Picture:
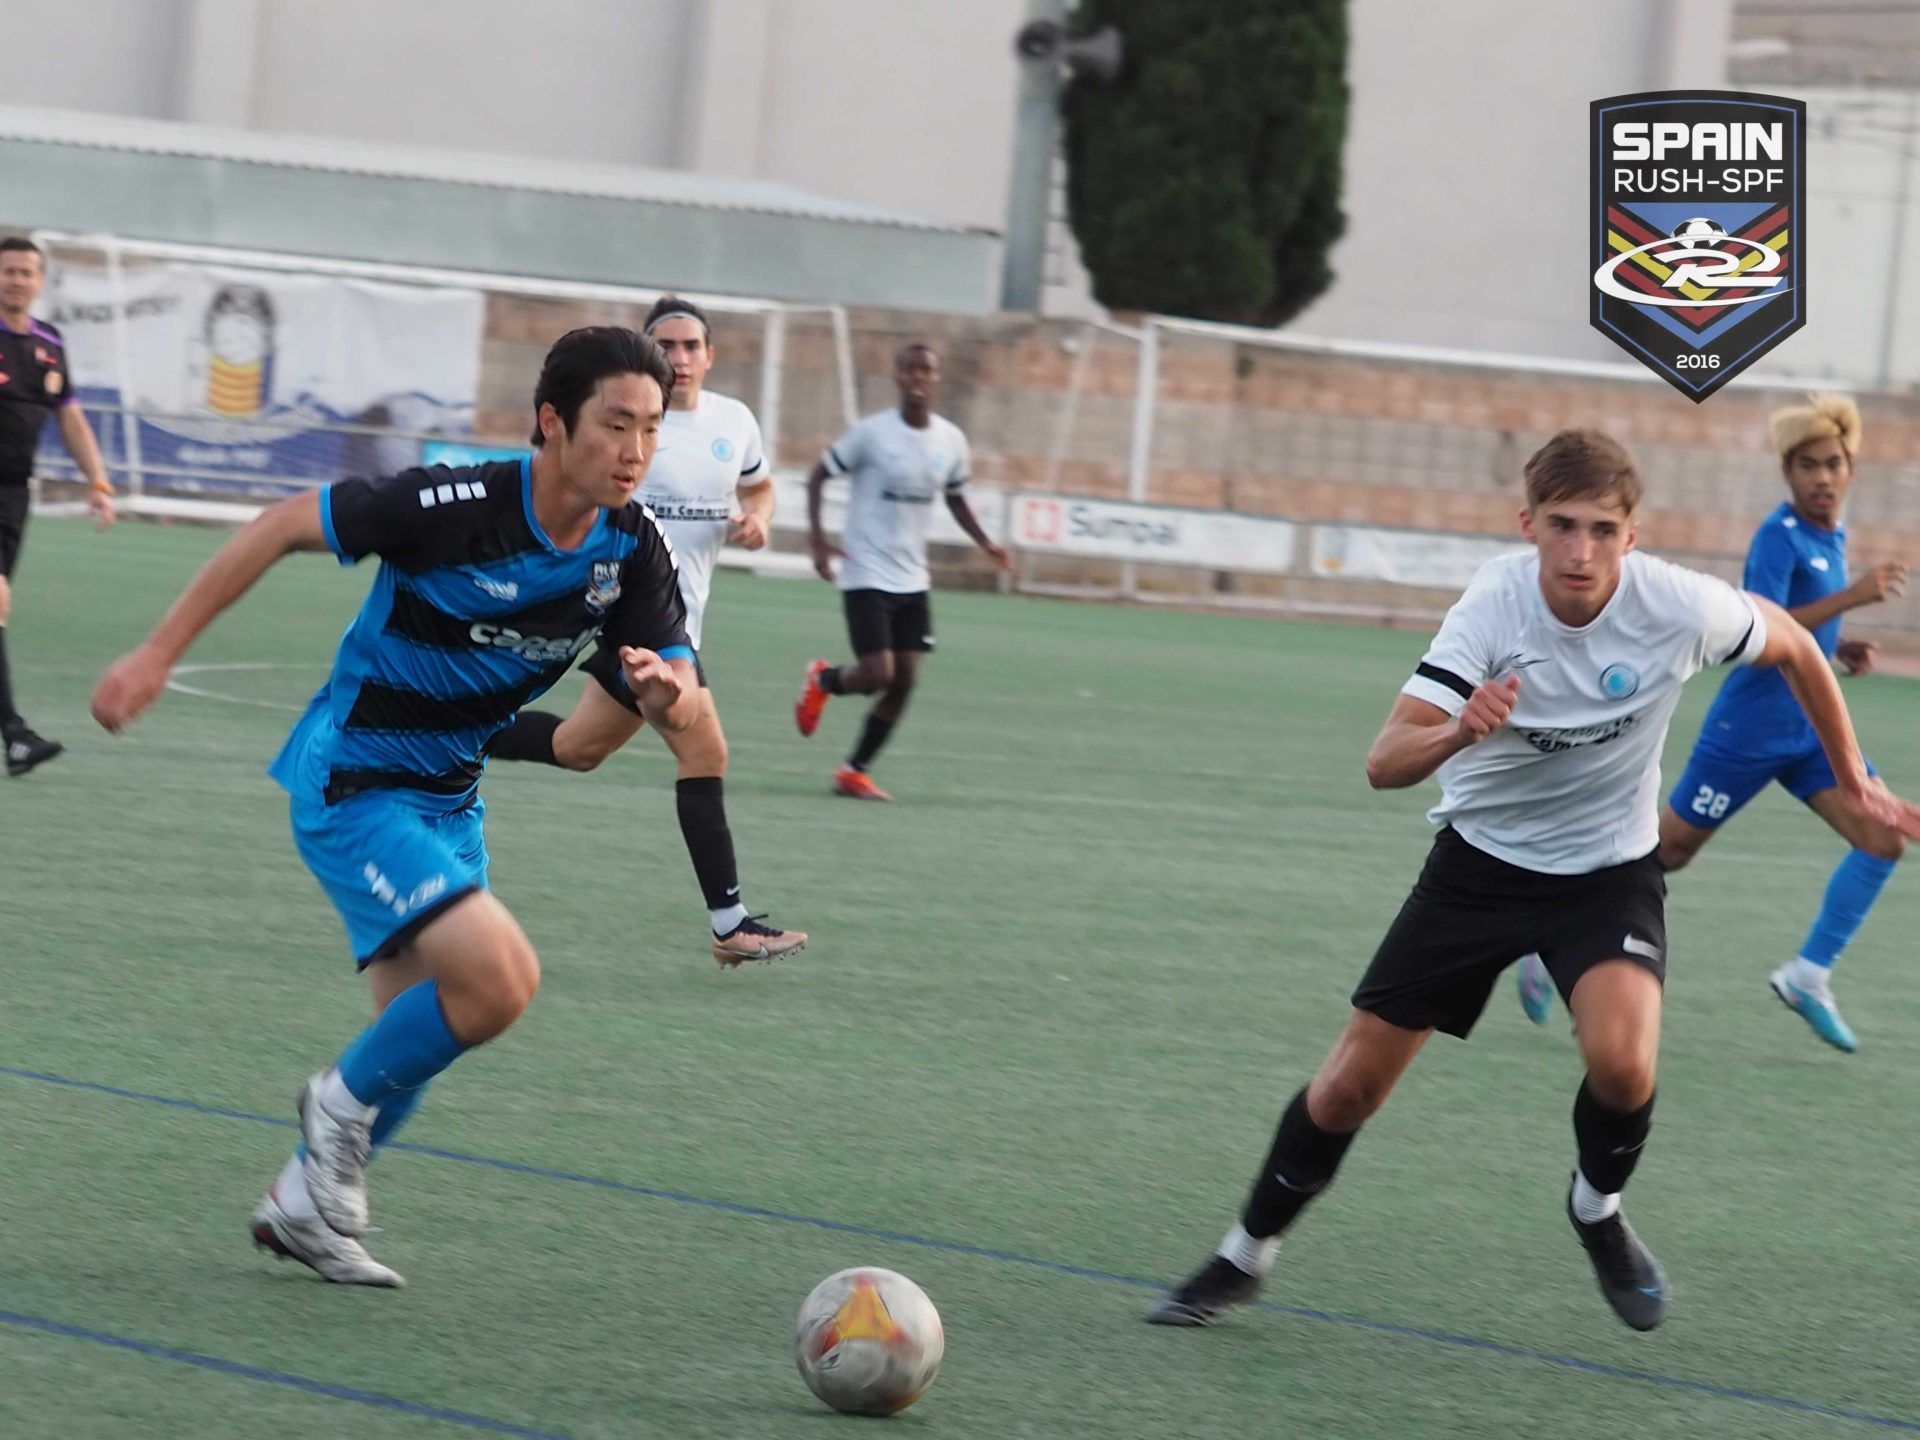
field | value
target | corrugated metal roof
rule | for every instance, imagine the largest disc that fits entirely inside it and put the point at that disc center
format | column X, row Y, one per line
column 510, row 172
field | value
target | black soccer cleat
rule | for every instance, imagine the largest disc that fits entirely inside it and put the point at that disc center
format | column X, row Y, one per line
column 26, row 750
column 1198, row 1300
column 1629, row 1276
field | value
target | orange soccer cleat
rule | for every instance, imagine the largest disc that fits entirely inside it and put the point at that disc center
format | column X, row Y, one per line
column 813, row 700
column 857, row 784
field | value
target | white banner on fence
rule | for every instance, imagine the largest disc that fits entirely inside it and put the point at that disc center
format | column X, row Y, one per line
column 1152, row 534
column 790, row 510
column 212, row 352
column 1403, row 557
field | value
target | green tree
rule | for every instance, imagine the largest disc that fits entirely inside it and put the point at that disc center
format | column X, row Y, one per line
column 1205, row 181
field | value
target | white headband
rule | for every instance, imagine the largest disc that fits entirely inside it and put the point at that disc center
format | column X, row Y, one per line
column 659, row 320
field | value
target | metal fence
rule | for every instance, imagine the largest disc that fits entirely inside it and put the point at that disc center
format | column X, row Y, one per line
column 1161, row 413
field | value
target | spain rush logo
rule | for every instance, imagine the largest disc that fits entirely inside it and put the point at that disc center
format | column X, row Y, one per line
column 1699, row 215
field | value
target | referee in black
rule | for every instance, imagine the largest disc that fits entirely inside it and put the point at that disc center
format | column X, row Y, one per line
column 33, row 382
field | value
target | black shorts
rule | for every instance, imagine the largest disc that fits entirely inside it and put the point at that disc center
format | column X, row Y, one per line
column 13, row 524
column 1471, row 915
column 880, row 620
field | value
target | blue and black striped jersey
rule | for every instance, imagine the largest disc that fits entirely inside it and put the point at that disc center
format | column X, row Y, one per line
column 474, row 613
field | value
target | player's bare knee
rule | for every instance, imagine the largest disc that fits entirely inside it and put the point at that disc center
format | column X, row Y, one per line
column 874, row 672
column 492, row 990
column 580, row 757
column 1621, row 1082
column 1343, row 1098
column 507, row 994
column 705, row 756
column 1890, row 846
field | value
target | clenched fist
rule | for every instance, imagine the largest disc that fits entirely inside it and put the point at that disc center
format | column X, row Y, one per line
column 1487, row 709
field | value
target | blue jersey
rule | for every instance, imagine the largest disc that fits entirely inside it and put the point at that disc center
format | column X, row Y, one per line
column 1792, row 564
column 474, row 612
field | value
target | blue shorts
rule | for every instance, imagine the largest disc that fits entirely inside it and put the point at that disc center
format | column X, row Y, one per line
column 1717, row 783
column 391, row 861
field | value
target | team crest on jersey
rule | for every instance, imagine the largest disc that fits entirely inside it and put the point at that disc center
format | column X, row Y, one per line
column 603, row 585
column 1619, row 680
column 722, row 449
column 1698, row 240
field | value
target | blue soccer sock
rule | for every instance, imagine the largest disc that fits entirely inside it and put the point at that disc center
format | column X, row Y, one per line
column 395, row 1111
column 1850, row 894
column 402, row 1050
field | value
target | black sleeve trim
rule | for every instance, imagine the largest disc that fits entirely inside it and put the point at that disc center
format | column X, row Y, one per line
column 1739, row 649
column 1447, row 678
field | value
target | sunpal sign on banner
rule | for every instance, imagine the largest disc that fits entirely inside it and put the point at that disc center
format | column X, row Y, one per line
column 1152, row 534
column 1697, row 258
column 234, row 373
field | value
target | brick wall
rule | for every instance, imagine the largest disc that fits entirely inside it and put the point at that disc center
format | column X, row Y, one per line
column 1279, row 432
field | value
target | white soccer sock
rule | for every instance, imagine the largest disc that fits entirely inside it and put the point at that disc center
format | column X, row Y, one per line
column 291, row 1190
column 726, row 921
column 1589, row 1205
column 1251, row 1255
column 340, row 1103
column 1816, row 980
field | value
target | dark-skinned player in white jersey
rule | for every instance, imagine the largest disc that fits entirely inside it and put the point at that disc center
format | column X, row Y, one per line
column 1542, row 705
column 896, row 462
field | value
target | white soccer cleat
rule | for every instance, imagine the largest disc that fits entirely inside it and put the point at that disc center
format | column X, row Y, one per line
column 336, row 1162
column 319, row 1247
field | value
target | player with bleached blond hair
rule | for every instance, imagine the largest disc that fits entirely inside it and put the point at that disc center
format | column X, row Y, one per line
column 1756, row 731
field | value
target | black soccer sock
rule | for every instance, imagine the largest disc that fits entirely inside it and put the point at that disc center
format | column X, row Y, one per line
column 9, row 717
column 703, row 823
column 1299, row 1166
column 829, row 681
column 529, row 737
column 871, row 739
column 1610, row 1140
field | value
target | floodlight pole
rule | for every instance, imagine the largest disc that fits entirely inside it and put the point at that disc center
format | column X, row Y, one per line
column 1029, row 197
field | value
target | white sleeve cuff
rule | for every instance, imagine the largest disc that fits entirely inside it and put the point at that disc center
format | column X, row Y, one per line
column 1434, row 693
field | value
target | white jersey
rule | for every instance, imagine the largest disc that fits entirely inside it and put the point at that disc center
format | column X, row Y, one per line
column 1571, row 784
column 898, row 472
column 703, row 457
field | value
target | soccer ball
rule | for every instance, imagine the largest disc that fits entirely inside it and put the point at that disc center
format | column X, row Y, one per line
column 1699, row 231
column 868, row 1341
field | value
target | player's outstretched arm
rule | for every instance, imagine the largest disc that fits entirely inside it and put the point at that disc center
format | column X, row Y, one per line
column 135, row 680
column 1419, row 737
column 963, row 515
column 1792, row 648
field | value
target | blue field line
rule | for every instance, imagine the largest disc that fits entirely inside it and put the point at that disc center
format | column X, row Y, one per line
column 275, row 1377
column 1033, row 1262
